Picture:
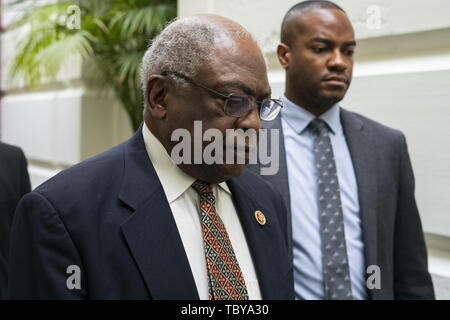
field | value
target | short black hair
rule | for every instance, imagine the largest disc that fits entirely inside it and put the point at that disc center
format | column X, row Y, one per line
column 301, row 8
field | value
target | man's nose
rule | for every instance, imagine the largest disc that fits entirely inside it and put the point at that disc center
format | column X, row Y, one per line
column 251, row 120
column 337, row 61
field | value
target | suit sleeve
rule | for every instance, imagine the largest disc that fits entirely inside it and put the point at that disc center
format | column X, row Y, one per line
column 411, row 278
column 41, row 253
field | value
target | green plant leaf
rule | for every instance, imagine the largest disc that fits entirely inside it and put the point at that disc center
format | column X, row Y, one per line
column 113, row 38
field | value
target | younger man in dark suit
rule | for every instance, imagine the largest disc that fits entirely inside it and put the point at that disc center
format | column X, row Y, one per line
column 354, row 227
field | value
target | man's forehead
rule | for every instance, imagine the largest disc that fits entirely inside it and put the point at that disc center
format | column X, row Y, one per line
column 323, row 22
column 240, row 81
column 239, row 66
column 245, row 83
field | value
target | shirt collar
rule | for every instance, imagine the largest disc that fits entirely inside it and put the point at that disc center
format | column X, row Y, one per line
column 174, row 180
column 299, row 118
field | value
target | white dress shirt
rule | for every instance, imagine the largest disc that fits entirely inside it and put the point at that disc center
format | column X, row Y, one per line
column 184, row 202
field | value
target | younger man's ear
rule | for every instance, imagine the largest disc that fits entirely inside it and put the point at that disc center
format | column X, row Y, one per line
column 284, row 55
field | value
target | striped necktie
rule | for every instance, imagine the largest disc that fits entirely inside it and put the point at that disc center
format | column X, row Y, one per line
column 225, row 278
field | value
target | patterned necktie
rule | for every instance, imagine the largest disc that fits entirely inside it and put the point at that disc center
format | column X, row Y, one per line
column 226, row 281
column 337, row 285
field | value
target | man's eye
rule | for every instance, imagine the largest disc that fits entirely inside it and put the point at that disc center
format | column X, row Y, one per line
column 318, row 49
column 350, row 52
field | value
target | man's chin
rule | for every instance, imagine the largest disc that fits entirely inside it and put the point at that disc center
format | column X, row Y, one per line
column 228, row 171
column 333, row 96
column 329, row 99
column 215, row 173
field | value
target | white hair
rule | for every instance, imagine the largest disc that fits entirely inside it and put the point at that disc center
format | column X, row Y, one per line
column 183, row 46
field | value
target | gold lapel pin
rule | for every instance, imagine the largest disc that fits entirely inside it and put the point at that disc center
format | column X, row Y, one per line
column 260, row 217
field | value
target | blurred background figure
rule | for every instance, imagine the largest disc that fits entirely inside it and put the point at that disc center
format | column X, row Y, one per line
column 14, row 183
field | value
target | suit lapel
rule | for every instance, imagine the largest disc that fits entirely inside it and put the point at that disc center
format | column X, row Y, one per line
column 260, row 240
column 364, row 162
column 151, row 232
column 280, row 180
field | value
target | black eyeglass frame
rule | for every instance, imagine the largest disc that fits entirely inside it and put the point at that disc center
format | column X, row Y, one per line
column 218, row 94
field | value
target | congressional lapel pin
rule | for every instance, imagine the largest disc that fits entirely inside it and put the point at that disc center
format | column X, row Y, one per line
column 260, row 217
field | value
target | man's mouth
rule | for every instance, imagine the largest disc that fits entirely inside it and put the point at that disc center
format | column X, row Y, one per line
column 337, row 80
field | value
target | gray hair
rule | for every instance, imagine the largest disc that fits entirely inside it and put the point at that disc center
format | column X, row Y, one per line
column 183, row 46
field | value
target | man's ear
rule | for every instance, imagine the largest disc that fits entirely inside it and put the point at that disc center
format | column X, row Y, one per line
column 157, row 96
column 284, row 55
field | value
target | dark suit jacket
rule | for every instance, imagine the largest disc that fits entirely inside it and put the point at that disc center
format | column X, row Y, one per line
column 14, row 183
column 109, row 216
column 392, row 231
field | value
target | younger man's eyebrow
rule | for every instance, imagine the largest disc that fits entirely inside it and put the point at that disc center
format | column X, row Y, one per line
column 350, row 43
column 319, row 39
column 328, row 41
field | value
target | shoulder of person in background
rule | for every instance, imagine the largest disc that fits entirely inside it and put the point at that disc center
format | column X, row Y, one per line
column 13, row 169
column 14, row 183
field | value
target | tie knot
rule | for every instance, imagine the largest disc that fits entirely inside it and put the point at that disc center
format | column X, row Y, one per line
column 202, row 187
column 318, row 125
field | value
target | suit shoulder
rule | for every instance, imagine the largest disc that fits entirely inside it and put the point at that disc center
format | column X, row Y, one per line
column 377, row 128
column 10, row 153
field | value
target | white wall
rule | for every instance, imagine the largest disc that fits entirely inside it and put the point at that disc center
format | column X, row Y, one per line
column 60, row 127
column 59, row 123
column 401, row 78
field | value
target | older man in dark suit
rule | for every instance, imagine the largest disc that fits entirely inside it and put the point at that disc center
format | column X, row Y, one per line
column 354, row 227
column 130, row 223
column 14, row 183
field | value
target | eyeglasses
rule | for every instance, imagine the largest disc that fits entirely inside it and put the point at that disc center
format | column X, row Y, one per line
column 238, row 105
